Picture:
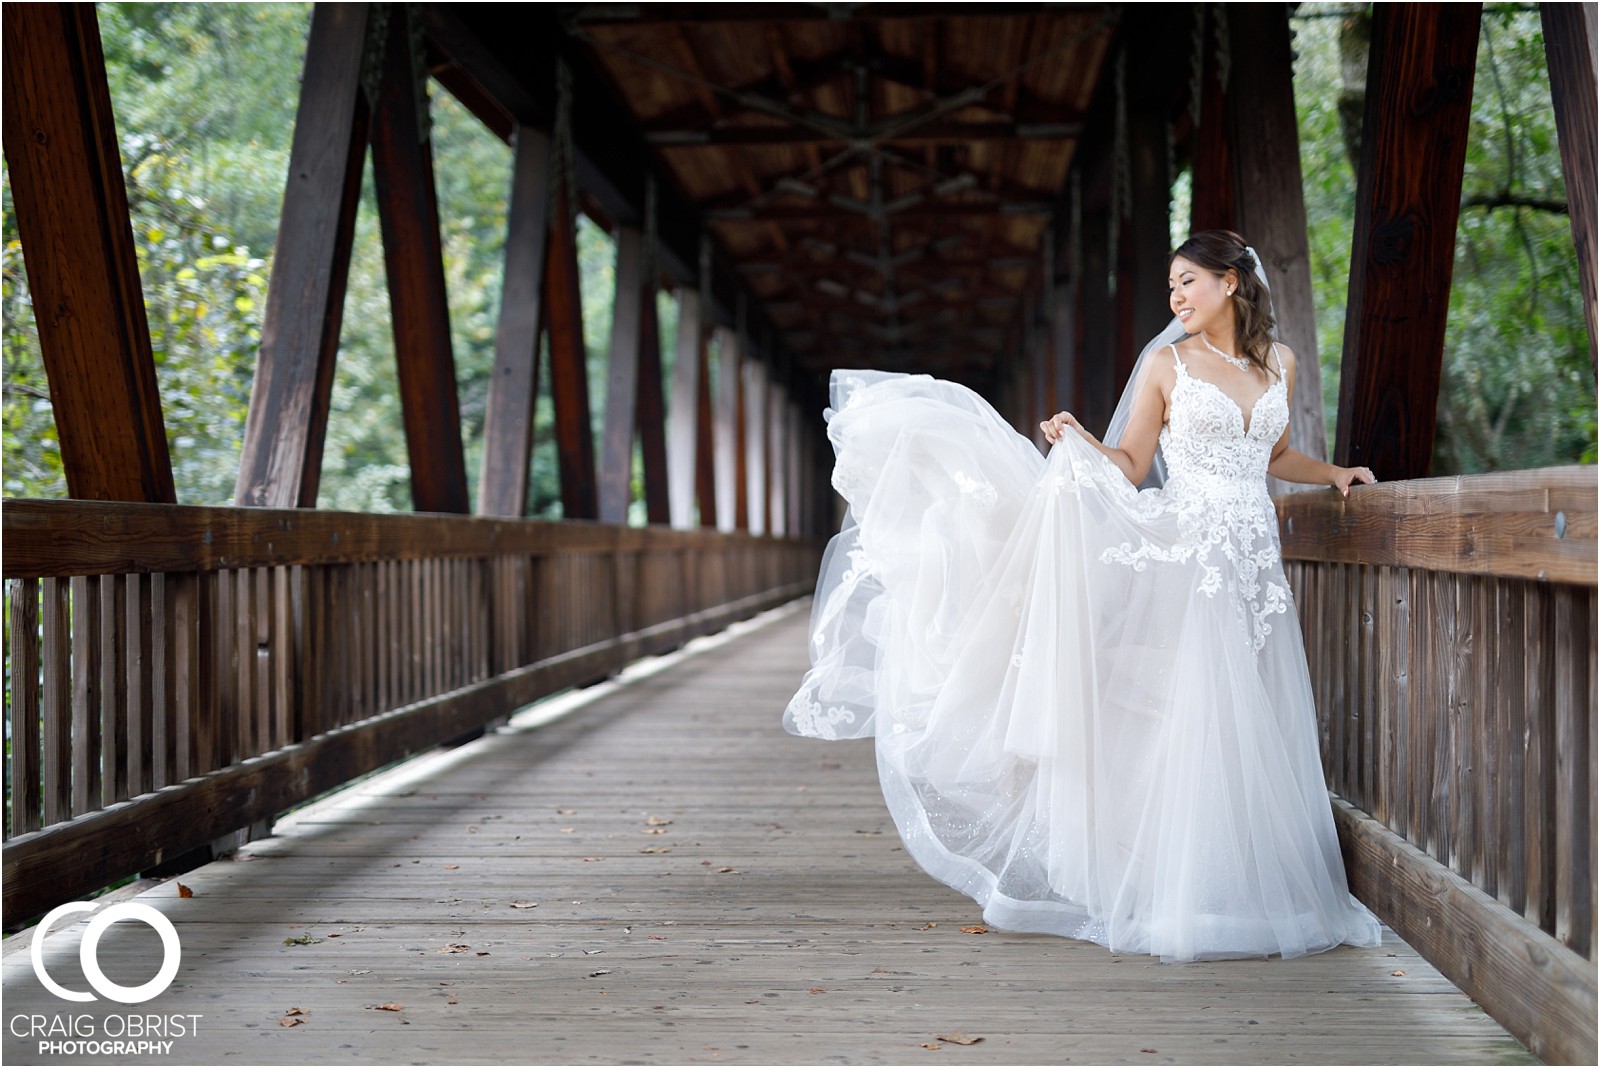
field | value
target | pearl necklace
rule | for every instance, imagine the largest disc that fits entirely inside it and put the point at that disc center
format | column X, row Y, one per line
column 1239, row 362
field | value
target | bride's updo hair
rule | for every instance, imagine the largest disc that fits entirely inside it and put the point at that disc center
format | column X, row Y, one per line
column 1217, row 251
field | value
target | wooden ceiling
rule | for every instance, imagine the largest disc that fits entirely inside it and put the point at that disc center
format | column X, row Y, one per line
column 882, row 178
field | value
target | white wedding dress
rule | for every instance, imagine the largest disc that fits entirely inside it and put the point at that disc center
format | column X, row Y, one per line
column 1090, row 703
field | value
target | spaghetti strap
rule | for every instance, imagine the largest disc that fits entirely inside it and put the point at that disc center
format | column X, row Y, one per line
column 1175, row 357
column 1279, row 357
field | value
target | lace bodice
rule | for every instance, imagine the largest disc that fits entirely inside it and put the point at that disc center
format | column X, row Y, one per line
column 1208, row 442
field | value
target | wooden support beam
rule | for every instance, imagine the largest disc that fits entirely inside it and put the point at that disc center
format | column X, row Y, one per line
column 1146, row 235
column 729, row 440
column 753, row 422
column 1063, row 347
column 1270, row 202
column 1408, row 194
column 419, row 308
column 1211, row 203
column 780, row 445
column 72, row 215
column 622, row 379
column 569, row 376
column 1096, row 328
column 683, row 412
column 281, row 461
column 1569, row 47
column 706, row 479
column 514, row 383
column 652, row 410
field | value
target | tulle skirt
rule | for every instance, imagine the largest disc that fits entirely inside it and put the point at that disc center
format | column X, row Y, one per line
column 1087, row 745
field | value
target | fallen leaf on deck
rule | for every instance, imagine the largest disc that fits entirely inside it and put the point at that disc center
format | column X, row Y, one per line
column 976, row 928
column 960, row 1039
column 930, row 925
column 656, row 849
column 303, row 940
column 818, row 990
column 290, row 1021
column 1397, row 973
column 657, row 938
column 1149, row 1051
column 753, row 1001
column 452, row 867
column 453, row 947
column 880, row 971
column 388, row 1006
column 524, row 904
column 184, row 891
column 295, row 1012
column 727, row 871
column 653, row 830
column 657, row 821
column 566, row 812
column 598, row 974
column 483, row 952
column 931, row 1045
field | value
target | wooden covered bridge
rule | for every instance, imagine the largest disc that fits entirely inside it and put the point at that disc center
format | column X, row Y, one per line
column 649, row 869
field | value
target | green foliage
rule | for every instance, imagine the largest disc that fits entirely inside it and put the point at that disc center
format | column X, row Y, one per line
column 1518, row 385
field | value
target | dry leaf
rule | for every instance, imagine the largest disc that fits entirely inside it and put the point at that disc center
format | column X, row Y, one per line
column 818, row 990
column 598, row 974
column 483, row 953
column 880, row 971
column 295, row 1012
column 656, row 849
column 652, row 830
column 452, row 867
column 1149, row 1051
column 727, row 871
column 976, row 928
column 388, row 1006
column 657, row 938
column 931, row 1045
column 657, row 821
column 290, row 1021
column 453, row 947
column 184, row 891
column 524, row 904
column 930, row 925
column 1397, row 973
column 960, row 1039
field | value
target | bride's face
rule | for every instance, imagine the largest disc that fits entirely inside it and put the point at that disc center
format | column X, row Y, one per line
column 1198, row 297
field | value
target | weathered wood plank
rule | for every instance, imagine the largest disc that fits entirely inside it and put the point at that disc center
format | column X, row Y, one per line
column 71, row 210
column 23, row 760
column 1532, row 984
column 64, row 538
column 419, row 308
column 569, row 376
column 281, row 461
column 622, row 378
column 1408, row 197
column 1527, row 524
column 514, row 382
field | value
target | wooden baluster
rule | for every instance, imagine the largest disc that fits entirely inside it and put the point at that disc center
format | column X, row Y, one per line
column 24, row 762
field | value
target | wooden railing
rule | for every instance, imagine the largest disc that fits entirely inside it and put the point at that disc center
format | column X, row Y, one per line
column 174, row 674
column 1450, row 628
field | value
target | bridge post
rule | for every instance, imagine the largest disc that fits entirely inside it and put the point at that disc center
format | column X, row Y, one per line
column 72, row 213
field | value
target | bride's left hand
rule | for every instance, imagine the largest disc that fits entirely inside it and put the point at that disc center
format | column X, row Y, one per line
column 1345, row 476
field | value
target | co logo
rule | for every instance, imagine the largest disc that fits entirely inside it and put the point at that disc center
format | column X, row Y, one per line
column 89, row 951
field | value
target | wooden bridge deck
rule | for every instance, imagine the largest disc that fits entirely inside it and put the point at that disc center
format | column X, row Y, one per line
column 664, row 876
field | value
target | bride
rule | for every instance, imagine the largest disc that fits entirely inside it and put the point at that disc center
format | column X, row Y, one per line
column 1090, row 702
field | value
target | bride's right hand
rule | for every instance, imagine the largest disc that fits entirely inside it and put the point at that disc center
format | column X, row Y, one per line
column 1056, row 425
